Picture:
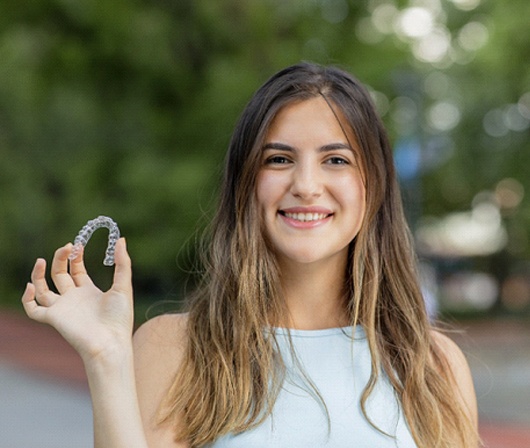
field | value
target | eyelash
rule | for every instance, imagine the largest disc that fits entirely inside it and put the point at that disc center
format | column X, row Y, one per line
column 282, row 160
column 277, row 159
column 338, row 161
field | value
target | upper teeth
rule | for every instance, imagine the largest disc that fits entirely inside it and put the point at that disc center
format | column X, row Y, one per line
column 306, row 216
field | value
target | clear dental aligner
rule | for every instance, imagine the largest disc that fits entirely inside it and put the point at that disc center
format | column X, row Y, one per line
column 86, row 232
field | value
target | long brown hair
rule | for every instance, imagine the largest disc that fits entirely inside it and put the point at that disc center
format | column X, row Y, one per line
column 232, row 373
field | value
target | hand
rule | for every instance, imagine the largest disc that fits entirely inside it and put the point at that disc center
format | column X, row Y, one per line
column 94, row 322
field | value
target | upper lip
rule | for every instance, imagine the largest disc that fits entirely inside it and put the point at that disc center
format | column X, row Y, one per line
column 310, row 209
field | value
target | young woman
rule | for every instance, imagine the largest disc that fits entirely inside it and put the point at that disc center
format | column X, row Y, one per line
column 309, row 328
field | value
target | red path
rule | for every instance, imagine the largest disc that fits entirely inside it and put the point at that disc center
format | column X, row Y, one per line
column 40, row 349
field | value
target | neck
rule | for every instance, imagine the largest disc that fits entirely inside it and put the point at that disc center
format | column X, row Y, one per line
column 314, row 294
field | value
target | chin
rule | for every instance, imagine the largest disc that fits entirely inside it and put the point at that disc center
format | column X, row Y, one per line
column 303, row 258
column 307, row 255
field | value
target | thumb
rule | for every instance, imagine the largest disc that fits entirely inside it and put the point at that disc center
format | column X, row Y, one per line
column 123, row 272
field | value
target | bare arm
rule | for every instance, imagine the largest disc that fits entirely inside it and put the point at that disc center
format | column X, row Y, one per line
column 99, row 326
column 117, row 421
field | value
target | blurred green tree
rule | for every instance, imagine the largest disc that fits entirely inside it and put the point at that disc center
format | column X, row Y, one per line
column 126, row 108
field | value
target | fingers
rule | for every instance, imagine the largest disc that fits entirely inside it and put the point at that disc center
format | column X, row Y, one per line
column 37, row 296
column 122, row 273
column 41, row 292
column 59, row 270
column 38, row 276
column 28, row 300
column 32, row 308
column 78, row 270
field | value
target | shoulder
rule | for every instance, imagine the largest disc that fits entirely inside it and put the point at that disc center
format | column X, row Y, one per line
column 162, row 332
column 159, row 347
column 451, row 352
column 457, row 362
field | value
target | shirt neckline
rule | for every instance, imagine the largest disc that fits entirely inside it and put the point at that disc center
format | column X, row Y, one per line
column 320, row 333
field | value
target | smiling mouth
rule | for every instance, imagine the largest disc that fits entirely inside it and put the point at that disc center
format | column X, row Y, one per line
column 305, row 217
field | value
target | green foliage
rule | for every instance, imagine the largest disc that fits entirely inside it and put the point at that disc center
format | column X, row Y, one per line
column 126, row 108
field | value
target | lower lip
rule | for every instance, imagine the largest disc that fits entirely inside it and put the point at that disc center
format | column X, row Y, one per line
column 304, row 224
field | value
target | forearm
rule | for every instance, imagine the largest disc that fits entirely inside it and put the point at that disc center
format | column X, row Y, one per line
column 99, row 326
column 117, row 421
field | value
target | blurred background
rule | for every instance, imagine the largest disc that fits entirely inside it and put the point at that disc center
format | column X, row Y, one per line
column 125, row 109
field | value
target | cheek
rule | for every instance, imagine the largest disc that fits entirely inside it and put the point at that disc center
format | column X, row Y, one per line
column 266, row 190
column 355, row 195
column 261, row 190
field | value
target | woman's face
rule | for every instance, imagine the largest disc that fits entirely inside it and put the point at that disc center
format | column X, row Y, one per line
column 310, row 187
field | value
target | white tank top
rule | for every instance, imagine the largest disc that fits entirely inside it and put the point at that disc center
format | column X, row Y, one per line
column 339, row 370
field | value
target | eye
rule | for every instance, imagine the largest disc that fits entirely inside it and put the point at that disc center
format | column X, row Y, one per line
column 337, row 161
column 277, row 160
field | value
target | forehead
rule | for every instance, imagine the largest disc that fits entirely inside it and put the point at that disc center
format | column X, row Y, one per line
column 311, row 119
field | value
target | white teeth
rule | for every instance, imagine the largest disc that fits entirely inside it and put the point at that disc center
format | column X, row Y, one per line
column 305, row 217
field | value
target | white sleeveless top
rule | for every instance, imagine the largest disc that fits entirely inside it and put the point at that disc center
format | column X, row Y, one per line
column 339, row 370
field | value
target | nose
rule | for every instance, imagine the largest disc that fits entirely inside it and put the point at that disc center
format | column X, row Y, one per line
column 307, row 181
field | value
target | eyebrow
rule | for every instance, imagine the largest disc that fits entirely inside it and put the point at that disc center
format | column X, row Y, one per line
column 325, row 148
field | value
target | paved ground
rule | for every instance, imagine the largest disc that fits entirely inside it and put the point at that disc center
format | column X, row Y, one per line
column 44, row 400
column 37, row 412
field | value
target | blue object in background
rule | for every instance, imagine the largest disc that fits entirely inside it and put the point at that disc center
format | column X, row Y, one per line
column 407, row 157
